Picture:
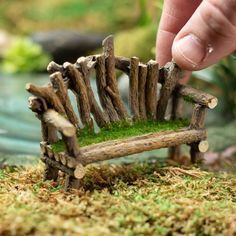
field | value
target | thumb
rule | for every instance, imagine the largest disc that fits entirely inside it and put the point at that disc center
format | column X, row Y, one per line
column 208, row 36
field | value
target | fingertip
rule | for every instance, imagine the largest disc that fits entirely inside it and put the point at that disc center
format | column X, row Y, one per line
column 189, row 52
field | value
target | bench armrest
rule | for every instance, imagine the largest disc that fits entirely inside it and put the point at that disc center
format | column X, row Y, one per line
column 196, row 96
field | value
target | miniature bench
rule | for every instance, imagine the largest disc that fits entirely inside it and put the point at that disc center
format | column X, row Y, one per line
column 53, row 108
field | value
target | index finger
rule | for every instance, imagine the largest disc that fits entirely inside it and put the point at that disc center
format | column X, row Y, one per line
column 174, row 16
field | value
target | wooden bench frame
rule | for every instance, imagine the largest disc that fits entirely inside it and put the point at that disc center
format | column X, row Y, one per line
column 52, row 106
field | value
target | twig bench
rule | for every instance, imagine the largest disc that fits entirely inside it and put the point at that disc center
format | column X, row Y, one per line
column 53, row 107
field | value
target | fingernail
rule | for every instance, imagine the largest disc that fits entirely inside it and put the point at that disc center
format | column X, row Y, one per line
column 192, row 49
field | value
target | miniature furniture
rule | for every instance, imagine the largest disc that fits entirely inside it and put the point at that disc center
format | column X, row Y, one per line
column 53, row 108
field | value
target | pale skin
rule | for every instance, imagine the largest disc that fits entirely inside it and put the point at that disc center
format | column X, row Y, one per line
column 196, row 33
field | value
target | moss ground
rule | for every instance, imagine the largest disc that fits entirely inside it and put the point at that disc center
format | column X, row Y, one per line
column 122, row 130
column 137, row 199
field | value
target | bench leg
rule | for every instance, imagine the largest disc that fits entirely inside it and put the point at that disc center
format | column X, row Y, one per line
column 50, row 173
column 71, row 182
column 196, row 155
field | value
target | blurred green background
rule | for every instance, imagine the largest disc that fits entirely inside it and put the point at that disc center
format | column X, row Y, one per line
column 30, row 36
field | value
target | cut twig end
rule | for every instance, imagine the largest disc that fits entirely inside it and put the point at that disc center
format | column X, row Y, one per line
column 213, row 103
column 79, row 172
column 203, row 146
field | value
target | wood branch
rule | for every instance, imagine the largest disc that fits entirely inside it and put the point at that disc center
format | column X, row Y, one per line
column 61, row 91
column 139, row 144
column 141, row 91
column 198, row 117
column 43, row 148
column 89, row 62
column 174, row 153
column 197, row 96
column 104, row 98
column 133, row 87
column 72, row 146
column 52, row 136
column 123, row 64
column 195, row 154
column 174, row 74
column 100, row 117
column 54, row 67
column 62, row 158
column 80, row 91
column 57, row 165
column 50, row 172
column 71, row 183
column 51, row 117
column 48, row 94
column 37, row 105
column 177, row 106
column 108, row 47
column 50, row 152
column 151, row 88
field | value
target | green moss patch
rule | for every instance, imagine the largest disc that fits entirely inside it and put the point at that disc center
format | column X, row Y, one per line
column 122, row 130
column 137, row 199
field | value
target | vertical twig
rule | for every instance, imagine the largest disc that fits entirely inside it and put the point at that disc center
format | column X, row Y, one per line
column 104, row 98
column 133, row 87
column 100, row 117
column 141, row 91
column 173, row 75
column 151, row 89
column 108, row 47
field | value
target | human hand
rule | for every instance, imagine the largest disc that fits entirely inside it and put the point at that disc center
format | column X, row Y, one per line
column 196, row 33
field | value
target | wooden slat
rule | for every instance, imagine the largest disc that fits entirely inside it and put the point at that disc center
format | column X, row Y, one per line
column 141, row 91
column 108, row 47
column 124, row 147
column 151, row 89
column 133, row 87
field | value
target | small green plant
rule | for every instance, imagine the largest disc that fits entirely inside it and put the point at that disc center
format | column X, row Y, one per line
column 24, row 56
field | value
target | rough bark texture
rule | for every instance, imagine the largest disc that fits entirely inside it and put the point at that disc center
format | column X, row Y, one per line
column 108, row 47
column 39, row 106
column 72, row 146
column 174, row 74
column 54, row 67
column 100, row 117
column 123, row 64
column 79, row 88
column 177, row 106
column 132, row 146
column 71, row 182
column 196, row 155
column 197, row 96
column 174, row 153
column 151, row 89
column 51, row 117
column 48, row 94
column 105, row 100
column 198, row 117
column 133, row 87
column 61, row 91
column 141, row 91
column 57, row 165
